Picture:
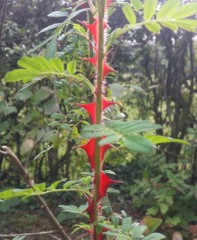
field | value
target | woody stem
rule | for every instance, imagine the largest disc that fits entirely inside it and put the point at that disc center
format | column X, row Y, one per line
column 100, row 56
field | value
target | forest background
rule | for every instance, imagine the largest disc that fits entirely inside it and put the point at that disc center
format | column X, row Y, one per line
column 157, row 81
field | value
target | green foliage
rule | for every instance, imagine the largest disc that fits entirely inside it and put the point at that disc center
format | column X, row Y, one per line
column 128, row 229
column 157, row 139
column 60, row 26
column 35, row 67
column 170, row 15
column 129, row 14
column 126, row 131
column 73, row 209
column 169, row 7
column 120, row 227
column 58, row 14
column 149, row 9
column 137, row 4
column 152, row 223
column 80, row 186
column 161, row 191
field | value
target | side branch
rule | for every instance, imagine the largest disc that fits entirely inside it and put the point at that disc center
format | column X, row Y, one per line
column 6, row 151
column 27, row 234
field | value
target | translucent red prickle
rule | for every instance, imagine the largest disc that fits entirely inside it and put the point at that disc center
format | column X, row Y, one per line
column 91, row 108
column 89, row 147
column 106, row 68
column 93, row 28
column 90, row 209
column 105, row 182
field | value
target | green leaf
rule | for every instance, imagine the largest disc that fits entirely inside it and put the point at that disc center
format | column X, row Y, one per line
column 137, row 144
column 79, row 28
column 20, row 74
column 158, row 139
column 169, row 24
column 86, row 180
column 129, row 14
column 116, row 130
column 55, row 184
column 90, row 131
column 137, row 230
column 168, row 8
column 119, row 236
column 65, row 126
column 109, row 140
column 153, row 27
column 51, row 48
column 71, row 209
column 10, row 109
column 115, row 220
column 39, row 187
column 12, row 193
column 76, row 13
column 137, row 4
column 35, row 67
column 132, row 126
column 57, row 64
column 110, row 172
column 163, row 207
column 30, row 63
column 58, row 14
column 72, row 15
column 58, row 116
column 173, row 220
column 126, row 224
column 149, row 9
column 82, row 208
column 41, row 44
column 153, row 210
column 152, row 223
column 55, row 25
column 41, row 94
column 154, row 236
column 70, row 183
column 23, row 95
column 19, row 238
column 187, row 24
column 46, row 66
column 71, row 67
column 113, row 191
column 116, row 34
column 185, row 11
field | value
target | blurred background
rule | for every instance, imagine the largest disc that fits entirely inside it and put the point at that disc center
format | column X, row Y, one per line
column 156, row 79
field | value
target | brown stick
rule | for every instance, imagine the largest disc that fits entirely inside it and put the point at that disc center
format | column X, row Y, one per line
column 30, row 182
column 26, row 234
column 2, row 16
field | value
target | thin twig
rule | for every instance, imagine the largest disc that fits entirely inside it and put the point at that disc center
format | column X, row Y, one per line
column 54, row 237
column 27, row 234
column 6, row 151
column 2, row 16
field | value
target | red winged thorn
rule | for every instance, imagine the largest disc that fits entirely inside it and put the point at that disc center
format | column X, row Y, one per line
column 89, row 147
column 90, row 209
column 105, row 182
column 91, row 108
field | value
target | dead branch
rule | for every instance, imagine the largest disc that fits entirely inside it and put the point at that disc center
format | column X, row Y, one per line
column 6, row 151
